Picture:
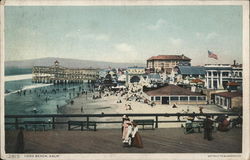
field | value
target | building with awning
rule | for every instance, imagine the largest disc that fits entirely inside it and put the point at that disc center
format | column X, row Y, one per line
column 172, row 94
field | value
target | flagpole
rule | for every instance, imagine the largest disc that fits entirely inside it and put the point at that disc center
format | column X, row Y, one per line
column 206, row 58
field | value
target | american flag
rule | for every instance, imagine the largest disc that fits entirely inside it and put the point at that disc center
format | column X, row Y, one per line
column 212, row 55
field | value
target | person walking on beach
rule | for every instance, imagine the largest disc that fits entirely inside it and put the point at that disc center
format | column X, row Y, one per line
column 200, row 109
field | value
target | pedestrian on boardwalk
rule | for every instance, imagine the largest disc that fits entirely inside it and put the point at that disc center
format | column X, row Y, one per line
column 224, row 124
column 124, row 117
column 20, row 142
column 208, row 128
column 136, row 138
column 127, row 132
column 125, row 125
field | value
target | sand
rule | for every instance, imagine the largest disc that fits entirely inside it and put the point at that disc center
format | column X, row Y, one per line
column 109, row 104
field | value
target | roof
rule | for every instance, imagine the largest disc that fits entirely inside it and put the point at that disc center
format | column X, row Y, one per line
column 197, row 81
column 154, row 76
column 230, row 94
column 171, row 90
column 218, row 68
column 170, row 57
column 136, row 68
column 191, row 70
column 232, row 84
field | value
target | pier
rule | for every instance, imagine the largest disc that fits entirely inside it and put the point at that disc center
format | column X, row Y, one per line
column 57, row 74
column 161, row 140
column 55, row 121
column 58, row 138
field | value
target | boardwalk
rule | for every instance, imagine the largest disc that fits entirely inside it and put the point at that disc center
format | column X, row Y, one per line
column 168, row 140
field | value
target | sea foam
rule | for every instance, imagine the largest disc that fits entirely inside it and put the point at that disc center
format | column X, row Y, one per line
column 17, row 77
column 30, row 87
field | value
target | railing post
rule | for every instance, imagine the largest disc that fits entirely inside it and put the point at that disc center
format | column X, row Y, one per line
column 156, row 121
column 53, row 123
column 16, row 123
column 87, row 122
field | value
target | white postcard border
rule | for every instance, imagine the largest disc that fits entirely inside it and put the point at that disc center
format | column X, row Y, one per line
column 147, row 156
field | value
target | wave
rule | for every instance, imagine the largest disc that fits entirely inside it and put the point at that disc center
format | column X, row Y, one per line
column 17, row 77
column 36, row 86
column 29, row 87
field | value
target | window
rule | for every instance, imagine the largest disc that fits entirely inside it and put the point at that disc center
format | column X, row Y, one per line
column 240, row 74
column 217, row 100
column 152, row 98
column 174, row 98
column 183, row 98
column 225, row 74
column 215, row 73
column 157, row 98
column 192, row 98
column 209, row 73
column 225, row 102
column 201, row 98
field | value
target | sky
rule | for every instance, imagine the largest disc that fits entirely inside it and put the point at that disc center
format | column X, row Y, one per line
column 124, row 33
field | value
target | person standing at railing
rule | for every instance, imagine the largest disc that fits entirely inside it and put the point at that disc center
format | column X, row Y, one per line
column 208, row 128
column 20, row 142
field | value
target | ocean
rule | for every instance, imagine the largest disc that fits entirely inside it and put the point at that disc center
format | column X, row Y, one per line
column 22, row 97
column 44, row 98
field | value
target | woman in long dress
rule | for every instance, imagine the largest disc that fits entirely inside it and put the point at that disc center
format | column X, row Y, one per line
column 136, row 137
column 125, row 125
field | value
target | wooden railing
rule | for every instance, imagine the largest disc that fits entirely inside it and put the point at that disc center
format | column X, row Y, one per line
column 25, row 119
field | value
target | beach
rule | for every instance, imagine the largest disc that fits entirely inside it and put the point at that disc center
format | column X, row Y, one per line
column 109, row 104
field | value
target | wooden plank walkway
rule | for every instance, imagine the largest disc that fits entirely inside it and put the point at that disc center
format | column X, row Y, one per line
column 164, row 140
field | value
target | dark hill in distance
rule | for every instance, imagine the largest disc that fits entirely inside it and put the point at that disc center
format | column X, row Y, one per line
column 70, row 63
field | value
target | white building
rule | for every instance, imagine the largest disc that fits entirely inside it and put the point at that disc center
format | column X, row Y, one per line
column 218, row 75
